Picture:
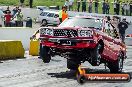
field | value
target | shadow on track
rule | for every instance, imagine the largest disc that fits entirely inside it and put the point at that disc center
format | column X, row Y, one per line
column 72, row 74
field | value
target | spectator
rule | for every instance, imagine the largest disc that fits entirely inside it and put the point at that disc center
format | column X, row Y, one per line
column 83, row 5
column 114, row 6
column 15, row 10
column 107, row 25
column 107, row 7
column 90, row 6
column 123, row 8
column 66, row 4
column 96, row 5
column 7, row 18
column 131, row 8
column 71, row 2
column 115, row 23
column 61, row 12
column 7, row 10
column 104, row 7
column 78, row 5
column 31, row 3
column 22, row 3
column 123, row 25
column 1, row 11
column 19, row 19
column 117, row 7
column 64, row 15
column 127, row 8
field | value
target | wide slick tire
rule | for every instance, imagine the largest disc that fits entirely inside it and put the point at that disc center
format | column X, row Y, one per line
column 96, row 55
column 45, row 54
column 117, row 66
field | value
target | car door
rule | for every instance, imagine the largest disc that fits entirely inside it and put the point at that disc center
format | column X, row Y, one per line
column 50, row 18
column 56, row 19
column 108, row 42
column 117, row 47
column 114, row 44
column 42, row 16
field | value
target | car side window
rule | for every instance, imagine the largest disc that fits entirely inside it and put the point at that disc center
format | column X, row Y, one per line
column 56, row 16
column 107, row 28
column 41, row 14
column 50, row 15
column 44, row 13
column 110, row 30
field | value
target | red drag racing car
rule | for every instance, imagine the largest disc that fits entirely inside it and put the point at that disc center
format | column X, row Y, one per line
column 81, row 39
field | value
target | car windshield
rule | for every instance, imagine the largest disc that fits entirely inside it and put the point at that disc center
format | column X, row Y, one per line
column 82, row 22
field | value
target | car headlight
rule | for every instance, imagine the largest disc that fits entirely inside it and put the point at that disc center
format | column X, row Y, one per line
column 46, row 31
column 85, row 33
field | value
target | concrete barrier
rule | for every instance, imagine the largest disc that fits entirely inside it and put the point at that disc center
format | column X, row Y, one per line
column 34, row 48
column 22, row 34
column 10, row 49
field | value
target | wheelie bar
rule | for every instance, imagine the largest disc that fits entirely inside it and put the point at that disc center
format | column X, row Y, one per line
column 83, row 75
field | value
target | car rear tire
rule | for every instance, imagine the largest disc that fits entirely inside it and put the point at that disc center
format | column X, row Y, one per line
column 96, row 55
column 117, row 66
column 72, row 64
column 44, row 22
column 45, row 54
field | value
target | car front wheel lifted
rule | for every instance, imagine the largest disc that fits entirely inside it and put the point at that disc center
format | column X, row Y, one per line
column 45, row 54
column 117, row 66
column 96, row 55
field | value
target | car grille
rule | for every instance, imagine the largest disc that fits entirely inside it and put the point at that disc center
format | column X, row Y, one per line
column 67, row 33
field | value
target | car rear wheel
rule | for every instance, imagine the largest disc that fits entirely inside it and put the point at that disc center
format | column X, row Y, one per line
column 45, row 54
column 96, row 55
column 117, row 66
column 44, row 22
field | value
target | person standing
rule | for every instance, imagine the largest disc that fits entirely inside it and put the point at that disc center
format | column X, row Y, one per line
column 123, row 25
column 114, row 6
column 123, row 7
column 31, row 3
column 78, row 5
column 127, row 8
column 22, row 3
column 104, row 7
column 71, row 2
column 96, row 6
column 7, row 18
column 83, row 5
column 19, row 19
column 61, row 12
column 15, row 10
column 131, row 8
column 64, row 15
column 66, row 4
column 7, row 10
column 90, row 6
column 107, row 7
column 117, row 7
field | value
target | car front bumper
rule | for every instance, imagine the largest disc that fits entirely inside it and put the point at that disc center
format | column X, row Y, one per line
column 69, row 43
